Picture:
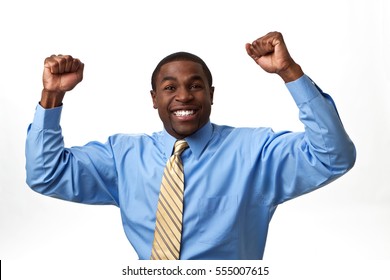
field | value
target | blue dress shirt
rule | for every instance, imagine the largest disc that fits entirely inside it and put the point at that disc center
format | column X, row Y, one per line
column 234, row 177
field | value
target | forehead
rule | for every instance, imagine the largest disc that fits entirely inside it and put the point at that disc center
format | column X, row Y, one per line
column 181, row 69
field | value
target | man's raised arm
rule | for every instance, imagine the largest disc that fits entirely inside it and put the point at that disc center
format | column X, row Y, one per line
column 84, row 174
column 324, row 151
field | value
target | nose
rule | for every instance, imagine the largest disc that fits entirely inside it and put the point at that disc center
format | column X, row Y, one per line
column 183, row 95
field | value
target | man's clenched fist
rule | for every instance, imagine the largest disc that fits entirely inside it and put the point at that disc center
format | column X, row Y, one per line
column 270, row 53
column 61, row 74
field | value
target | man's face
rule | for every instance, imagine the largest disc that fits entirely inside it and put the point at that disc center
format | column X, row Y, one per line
column 183, row 97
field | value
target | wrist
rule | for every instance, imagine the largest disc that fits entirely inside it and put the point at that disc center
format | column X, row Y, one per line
column 51, row 99
column 291, row 73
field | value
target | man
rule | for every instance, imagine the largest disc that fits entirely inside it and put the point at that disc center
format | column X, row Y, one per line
column 234, row 178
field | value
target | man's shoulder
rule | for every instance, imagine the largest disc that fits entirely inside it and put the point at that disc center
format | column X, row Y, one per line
column 226, row 129
column 135, row 137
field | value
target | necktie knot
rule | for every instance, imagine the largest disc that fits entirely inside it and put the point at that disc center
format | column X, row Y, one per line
column 180, row 146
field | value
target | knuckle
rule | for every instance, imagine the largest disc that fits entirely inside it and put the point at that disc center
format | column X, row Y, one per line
column 53, row 63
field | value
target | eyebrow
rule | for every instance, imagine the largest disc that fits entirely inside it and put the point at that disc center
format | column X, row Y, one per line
column 170, row 78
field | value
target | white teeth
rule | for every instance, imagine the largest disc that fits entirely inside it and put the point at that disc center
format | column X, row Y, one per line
column 182, row 113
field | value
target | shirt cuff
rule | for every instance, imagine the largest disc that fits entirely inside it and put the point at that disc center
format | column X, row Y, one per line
column 303, row 90
column 47, row 118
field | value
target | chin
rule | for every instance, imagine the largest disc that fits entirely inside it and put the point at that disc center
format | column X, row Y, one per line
column 185, row 132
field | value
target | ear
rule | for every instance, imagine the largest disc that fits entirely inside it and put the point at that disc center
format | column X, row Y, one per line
column 212, row 95
column 153, row 95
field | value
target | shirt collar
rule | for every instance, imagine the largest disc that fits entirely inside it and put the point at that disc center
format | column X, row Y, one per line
column 196, row 142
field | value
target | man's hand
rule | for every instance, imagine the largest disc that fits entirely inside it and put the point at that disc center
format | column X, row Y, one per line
column 61, row 74
column 270, row 52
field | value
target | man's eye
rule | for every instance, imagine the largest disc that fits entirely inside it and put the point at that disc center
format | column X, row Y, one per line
column 195, row 86
column 169, row 88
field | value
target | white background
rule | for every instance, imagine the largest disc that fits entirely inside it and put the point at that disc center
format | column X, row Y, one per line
column 343, row 45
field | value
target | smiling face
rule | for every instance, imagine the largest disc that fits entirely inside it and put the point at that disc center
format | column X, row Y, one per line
column 183, row 97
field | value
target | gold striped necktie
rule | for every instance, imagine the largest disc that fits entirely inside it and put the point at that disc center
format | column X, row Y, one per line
column 169, row 215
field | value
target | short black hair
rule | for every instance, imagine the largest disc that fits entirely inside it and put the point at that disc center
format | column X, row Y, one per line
column 181, row 56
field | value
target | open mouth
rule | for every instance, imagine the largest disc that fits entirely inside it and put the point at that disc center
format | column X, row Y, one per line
column 184, row 113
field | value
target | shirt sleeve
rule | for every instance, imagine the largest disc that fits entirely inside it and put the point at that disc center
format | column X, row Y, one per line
column 298, row 163
column 80, row 174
